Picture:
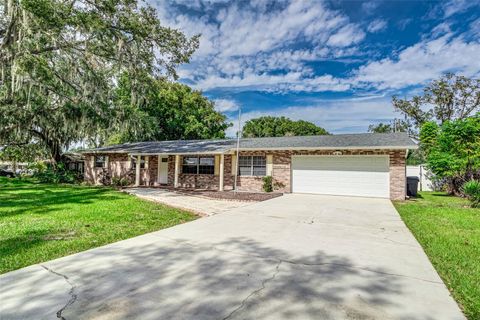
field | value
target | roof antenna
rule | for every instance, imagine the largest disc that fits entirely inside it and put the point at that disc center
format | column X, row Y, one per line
column 239, row 133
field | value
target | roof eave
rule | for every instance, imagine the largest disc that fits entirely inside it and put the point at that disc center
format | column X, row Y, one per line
column 134, row 153
column 174, row 153
column 335, row 148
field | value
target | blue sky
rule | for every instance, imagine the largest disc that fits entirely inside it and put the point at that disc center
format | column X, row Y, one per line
column 335, row 63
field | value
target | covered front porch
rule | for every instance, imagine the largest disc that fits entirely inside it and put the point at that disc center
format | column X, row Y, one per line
column 212, row 171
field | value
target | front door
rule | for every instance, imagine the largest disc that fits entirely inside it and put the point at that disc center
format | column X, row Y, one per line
column 163, row 170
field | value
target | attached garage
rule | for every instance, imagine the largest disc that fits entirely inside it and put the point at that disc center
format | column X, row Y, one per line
column 363, row 176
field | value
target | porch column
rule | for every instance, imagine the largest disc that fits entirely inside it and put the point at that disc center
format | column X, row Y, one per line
column 147, row 170
column 159, row 161
column 177, row 169
column 137, row 171
column 221, row 174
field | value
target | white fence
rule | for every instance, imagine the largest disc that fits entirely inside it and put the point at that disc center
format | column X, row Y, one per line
column 424, row 183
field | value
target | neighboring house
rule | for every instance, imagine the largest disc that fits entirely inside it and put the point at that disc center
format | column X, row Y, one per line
column 423, row 175
column 74, row 161
column 16, row 167
column 371, row 165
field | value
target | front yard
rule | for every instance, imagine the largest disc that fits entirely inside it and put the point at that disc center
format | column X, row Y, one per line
column 40, row 222
column 449, row 232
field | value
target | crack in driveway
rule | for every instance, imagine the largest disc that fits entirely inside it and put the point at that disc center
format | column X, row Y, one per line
column 307, row 264
column 264, row 282
column 73, row 296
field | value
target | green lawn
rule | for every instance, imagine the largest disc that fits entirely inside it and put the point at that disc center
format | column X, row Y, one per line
column 40, row 222
column 449, row 232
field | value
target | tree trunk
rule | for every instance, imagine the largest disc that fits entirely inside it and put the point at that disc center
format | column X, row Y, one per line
column 52, row 145
column 55, row 151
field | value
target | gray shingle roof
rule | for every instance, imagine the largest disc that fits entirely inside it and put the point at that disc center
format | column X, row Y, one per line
column 174, row 146
column 366, row 140
column 340, row 141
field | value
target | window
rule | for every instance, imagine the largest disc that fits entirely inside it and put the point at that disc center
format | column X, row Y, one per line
column 100, row 161
column 190, row 165
column 198, row 165
column 252, row 166
column 134, row 162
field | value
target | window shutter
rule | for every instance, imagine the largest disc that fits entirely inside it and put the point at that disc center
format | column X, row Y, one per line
column 106, row 162
column 217, row 165
column 269, row 164
column 234, row 164
column 146, row 162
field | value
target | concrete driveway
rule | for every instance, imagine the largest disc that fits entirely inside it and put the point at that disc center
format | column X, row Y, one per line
column 293, row 257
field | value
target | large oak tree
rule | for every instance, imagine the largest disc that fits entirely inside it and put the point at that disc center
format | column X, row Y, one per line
column 61, row 60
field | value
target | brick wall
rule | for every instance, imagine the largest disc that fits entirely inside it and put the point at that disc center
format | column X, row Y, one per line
column 150, row 174
column 118, row 166
column 397, row 175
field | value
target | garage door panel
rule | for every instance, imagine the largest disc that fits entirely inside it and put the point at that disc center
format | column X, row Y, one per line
column 341, row 175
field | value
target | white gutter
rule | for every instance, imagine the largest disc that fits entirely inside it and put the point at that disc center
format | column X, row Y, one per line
column 172, row 153
column 333, row 148
column 232, row 150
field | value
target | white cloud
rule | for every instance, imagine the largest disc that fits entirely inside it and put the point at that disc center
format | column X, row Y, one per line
column 424, row 61
column 225, row 105
column 403, row 23
column 346, row 36
column 292, row 81
column 377, row 25
column 440, row 30
column 250, row 44
column 452, row 7
column 370, row 6
column 254, row 46
column 475, row 26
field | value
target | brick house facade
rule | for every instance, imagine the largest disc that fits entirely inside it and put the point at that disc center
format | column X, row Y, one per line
column 278, row 165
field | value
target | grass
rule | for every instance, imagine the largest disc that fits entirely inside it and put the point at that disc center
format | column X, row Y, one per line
column 449, row 232
column 40, row 222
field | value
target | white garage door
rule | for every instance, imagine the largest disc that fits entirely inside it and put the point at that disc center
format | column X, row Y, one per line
column 366, row 176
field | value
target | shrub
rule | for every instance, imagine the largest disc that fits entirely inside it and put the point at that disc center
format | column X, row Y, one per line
column 58, row 174
column 472, row 190
column 120, row 181
column 268, row 184
column 38, row 167
column 105, row 177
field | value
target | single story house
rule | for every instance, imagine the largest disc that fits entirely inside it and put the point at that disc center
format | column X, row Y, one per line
column 370, row 164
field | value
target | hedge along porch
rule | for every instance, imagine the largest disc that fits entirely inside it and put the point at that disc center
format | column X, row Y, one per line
column 358, row 164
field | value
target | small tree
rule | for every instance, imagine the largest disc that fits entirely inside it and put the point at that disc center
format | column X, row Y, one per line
column 472, row 190
column 453, row 150
column 450, row 98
